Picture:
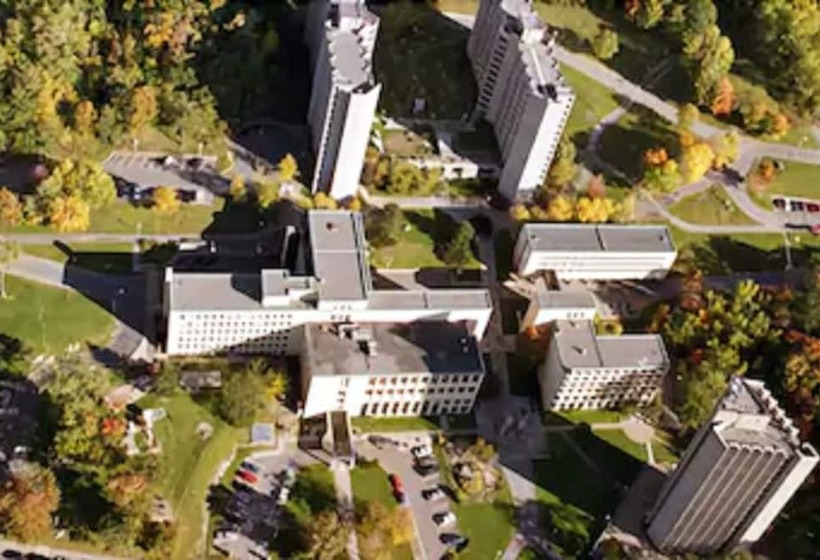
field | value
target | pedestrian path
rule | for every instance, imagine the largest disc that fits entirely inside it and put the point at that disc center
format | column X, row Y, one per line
column 344, row 499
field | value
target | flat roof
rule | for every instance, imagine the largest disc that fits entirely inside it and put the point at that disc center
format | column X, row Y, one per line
column 562, row 299
column 348, row 58
column 215, row 291
column 339, row 255
column 579, row 347
column 592, row 237
column 436, row 347
column 429, row 299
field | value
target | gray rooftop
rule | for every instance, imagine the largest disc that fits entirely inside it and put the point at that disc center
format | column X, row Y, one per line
column 429, row 299
column 339, row 255
column 348, row 58
column 579, row 347
column 422, row 347
column 608, row 237
column 563, row 299
column 215, row 291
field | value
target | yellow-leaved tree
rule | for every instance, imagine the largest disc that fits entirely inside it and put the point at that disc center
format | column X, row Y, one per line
column 69, row 213
column 165, row 200
column 594, row 210
column 288, row 168
column 560, row 208
column 695, row 161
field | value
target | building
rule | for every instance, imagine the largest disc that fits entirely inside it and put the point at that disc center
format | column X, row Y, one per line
column 586, row 371
column 522, row 93
column 736, row 476
column 547, row 306
column 322, row 276
column 341, row 38
column 594, row 252
column 394, row 369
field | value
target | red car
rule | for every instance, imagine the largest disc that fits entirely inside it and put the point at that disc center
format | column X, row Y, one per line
column 398, row 487
column 247, row 476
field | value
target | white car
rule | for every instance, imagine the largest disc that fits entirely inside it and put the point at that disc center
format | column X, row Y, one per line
column 444, row 519
column 431, row 494
column 284, row 494
column 421, row 451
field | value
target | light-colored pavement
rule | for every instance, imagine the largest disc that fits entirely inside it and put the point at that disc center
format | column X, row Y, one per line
column 344, row 500
column 53, row 551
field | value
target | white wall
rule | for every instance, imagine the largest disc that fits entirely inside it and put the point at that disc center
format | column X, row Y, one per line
column 594, row 265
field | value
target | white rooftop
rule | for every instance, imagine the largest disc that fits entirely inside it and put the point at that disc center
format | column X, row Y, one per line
column 603, row 237
column 579, row 347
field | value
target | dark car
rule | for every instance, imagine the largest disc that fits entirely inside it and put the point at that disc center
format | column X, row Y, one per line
column 457, row 542
column 796, row 205
column 426, row 469
column 813, row 207
column 779, row 203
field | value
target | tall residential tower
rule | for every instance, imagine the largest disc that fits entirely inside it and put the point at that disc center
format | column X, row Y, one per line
column 341, row 38
column 736, row 476
column 521, row 90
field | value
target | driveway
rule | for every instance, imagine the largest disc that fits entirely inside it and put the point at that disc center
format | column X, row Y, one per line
column 398, row 461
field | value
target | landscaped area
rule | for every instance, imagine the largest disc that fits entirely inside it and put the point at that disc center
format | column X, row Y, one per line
column 370, row 485
column 417, row 242
column 796, row 179
column 711, row 207
column 623, row 144
column 49, row 319
column 409, row 143
column 397, row 424
column 592, row 102
column 188, row 463
column 421, row 54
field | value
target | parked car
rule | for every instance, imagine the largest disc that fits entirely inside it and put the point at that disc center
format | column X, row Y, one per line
column 248, row 466
column 426, row 469
column 420, row 451
column 813, row 207
column 444, row 518
column 284, row 494
column 779, row 203
column 431, row 494
column 796, row 205
column 247, row 476
column 398, row 488
column 458, row 542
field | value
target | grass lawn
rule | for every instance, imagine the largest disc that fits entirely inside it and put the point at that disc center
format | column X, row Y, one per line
column 370, row 484
column 623, row 144
column 712, row 206
column 188, row 464
column 421, row 54
column 398, row 424
column 591, row 416
column 417, row 246
column 617, row 438
column 49, row 319
column 108, row 258
column 797, row 179
column 593, row 101
column 407, row 143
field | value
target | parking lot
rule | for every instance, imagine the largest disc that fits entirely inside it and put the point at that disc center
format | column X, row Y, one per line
column 252, row 513
column 397, row 459
column 137, row 174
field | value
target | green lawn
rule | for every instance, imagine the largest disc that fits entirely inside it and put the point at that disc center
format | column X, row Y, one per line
column 623, row 144
column 591, row 416
column 592, row 102
column 417, row 246
column 617, row 438
column 797, row 179
column 399, row 424
column 420, row 54
column 188, row 465
column 712, row 206
column 108, row 258
column 49, row 319
column 370, row 484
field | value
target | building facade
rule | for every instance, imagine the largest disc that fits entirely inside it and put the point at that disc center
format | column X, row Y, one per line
column 264, row 312
column 736, row 476
column 406, row 369
column 341, row 38
column 521, row 91
column 586, row 371
column 594, row 252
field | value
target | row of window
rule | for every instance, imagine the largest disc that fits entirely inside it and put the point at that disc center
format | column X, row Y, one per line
column 600, row 375
column 424, row 379
column 416, row 408
column 421, row 391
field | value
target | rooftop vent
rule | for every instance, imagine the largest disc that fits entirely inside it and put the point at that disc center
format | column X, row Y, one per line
column 330, row 226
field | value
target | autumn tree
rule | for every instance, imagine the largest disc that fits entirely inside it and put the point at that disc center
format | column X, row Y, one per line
column 328, row 536
column 696, row 160
column 84, row 180
column 11, row 209
column 596, row 187
column 725, row 146
column 237, row 189
column 520, row 213
column 724, row 98
column 28, row 498
column 594, row 210
column 648, row 13
column 276, row 385
column 69, row 213
column 605, row 44
column 560, row 209
column 688, row 115
column 708, row 56
column 164, row 200
column 267, row 191
column 563, row 169
column 85, row 117
column 142, row 109
column 323, row 201
column 288, row 168
column 382, row 530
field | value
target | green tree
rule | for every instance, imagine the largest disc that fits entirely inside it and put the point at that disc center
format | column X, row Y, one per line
column 605, row 44
column 649, row 14
column 242, row 398
column 85, row 180
column 167, row 381
column 805, row 307
column 458, row 252
column 383, row 226
column 708, row 56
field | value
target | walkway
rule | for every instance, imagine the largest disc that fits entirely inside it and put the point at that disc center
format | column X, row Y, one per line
column 344, row 497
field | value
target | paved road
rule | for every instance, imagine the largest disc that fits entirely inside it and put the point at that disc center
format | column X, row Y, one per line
column 49, row 551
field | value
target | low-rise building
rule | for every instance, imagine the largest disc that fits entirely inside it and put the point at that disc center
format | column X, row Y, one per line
column 585, row 371
column 594, row 252
column 547, row 306
column 399, row 369
column 738, row 473
column 324, row 278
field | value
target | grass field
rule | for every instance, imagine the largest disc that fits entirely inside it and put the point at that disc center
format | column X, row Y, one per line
column 711, row 207
column 591, row 416
column 617, row 438
column 188, row 465
column 416, row 247
column 623, row 144
column 593, row 101
column 49, row 319
column 398, row 424
column 370, row 484
column 797, row 179
column 108, row 258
